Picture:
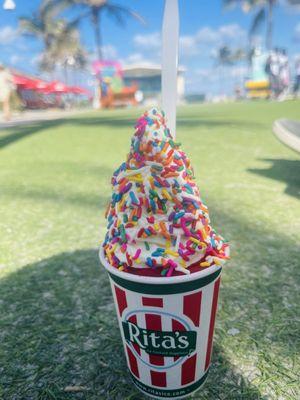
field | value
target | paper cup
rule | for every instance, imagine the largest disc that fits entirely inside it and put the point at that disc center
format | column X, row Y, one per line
column 167, row 327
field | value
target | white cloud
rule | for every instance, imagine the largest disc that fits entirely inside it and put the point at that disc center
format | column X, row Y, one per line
column 238, row 71
column 222, row 34
column 203, row 72
column 135, row 58
column 207, row 35
column 290, row 7
column 109, row 52
column 148, row 41
column 14, row 59
column 215, row 80
column 207, row 74
column 7, row 34
column 188, row 46
column 192, row 45
column 295, row 56
column 297, row 31
column 35, row 60
column 211, row 74
column 231, row 31
column 202, row 80
column 151, row 43
column 138, row 58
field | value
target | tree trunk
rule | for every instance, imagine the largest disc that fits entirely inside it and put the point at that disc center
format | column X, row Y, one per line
column 269, row 35
column 96, row 24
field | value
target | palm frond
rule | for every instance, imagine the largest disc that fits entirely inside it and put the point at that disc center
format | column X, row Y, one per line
column 257, row 22
column 55, row 28
column 67, row 27
column 30, row 26
column 224, row 56
column 239, row 55
column 246, row 5
column 47, row 63
column 60, row 36
column 119, row 13
column 231, row 3
column 53, row 8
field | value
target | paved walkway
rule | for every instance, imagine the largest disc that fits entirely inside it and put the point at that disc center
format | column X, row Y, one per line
column 27, row 117
column 288, row 132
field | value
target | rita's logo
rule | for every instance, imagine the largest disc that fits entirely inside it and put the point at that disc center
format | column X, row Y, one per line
column 176, row 343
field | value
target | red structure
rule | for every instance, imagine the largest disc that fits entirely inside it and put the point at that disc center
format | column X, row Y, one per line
column 38, row 94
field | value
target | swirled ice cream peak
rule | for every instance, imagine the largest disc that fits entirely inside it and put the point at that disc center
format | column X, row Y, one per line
column 156, row 218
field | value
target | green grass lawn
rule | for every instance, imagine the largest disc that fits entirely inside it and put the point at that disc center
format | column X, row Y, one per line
column 58, row 327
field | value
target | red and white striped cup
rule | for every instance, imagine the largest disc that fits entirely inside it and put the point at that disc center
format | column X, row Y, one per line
column 167, row 327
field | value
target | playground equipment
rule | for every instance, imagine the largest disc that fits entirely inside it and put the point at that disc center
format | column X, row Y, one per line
column 111, row 90
column 258, row 87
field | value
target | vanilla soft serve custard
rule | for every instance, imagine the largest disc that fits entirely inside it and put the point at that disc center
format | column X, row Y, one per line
column 156, row 218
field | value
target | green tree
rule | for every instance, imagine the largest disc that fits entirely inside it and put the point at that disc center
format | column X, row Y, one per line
column 263, row 13
column 94, row 9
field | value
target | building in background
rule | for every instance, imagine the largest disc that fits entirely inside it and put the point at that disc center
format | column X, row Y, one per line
column 148, row 79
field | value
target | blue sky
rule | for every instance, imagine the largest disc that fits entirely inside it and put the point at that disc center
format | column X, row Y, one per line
column 204, row 26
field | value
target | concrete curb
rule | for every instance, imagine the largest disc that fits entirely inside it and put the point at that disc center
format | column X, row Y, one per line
column 288, row 132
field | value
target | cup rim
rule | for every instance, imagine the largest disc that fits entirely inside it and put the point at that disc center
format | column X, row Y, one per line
column 152, row 279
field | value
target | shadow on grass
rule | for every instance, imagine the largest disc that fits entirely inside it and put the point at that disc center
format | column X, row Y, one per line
column 12, row 135
column 182, row 122
column 287, row 171
column 74, row 199
column 73, row 173
column 59, row 329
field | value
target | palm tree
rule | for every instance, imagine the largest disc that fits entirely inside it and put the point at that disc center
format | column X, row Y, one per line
column 59, row 37
column 94, row 10
column 222, row 59
column 42, row 24
column 263, row 13
column 224, row 56
column 228, row 57
column 67, row 51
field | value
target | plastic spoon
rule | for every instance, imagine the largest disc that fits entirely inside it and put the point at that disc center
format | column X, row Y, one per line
column 170, row 34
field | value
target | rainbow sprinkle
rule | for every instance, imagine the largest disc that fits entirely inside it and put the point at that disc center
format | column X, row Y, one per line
column 156, row 218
